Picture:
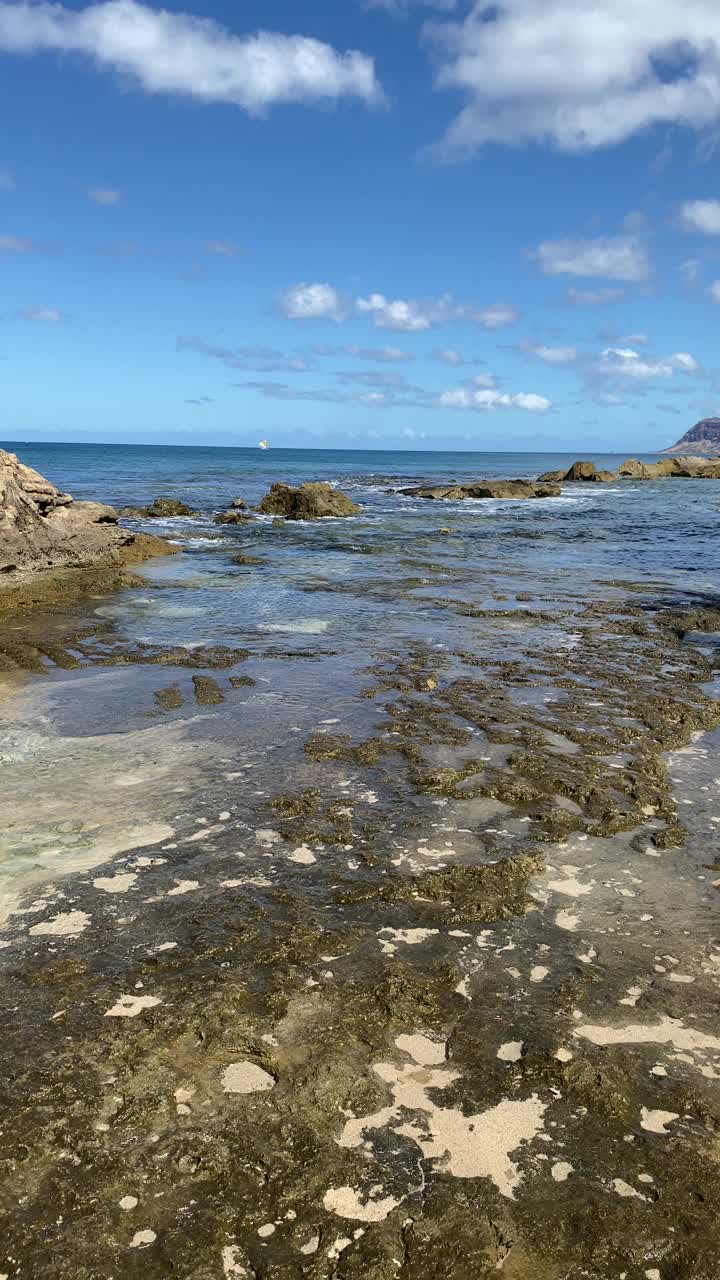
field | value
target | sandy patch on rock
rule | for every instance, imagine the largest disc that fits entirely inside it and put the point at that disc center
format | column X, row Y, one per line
column 246, row 1077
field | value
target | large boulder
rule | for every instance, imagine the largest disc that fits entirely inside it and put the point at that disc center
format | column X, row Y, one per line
column 41, row 528
column 551, row 477
column 581, row 471
column 312, row 501
column 632, row 469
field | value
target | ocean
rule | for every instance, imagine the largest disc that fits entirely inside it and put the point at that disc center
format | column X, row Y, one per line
column 358, row 879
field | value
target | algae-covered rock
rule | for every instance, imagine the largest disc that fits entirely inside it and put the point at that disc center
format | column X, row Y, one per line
column 313, row 501
column 232, row 516
column 484, row 489
column 159, row 509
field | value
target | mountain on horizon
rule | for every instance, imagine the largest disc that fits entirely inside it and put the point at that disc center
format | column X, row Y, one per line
column 704, row 438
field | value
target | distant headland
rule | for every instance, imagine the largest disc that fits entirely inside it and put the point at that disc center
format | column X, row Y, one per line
column 704, row 438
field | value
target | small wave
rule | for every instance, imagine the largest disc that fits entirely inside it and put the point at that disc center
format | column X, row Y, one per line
column 303, row 626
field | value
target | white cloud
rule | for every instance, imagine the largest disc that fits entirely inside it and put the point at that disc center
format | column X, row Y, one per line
column 312, row 302
column 41, row 315
column 614, row 257
column 715, row 291
column 105, row 195
column 701, row 215
column 180, row 53
column 575, row 76
column 626, row 364
column 634, row 340
column 488, row 400
column 7, row 180
column 593, row 297
column 222, row 248
column 404, row 315
column 553, row 355
column 685, row 362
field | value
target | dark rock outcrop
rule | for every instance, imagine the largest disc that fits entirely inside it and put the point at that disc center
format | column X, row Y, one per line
column 42, row 529
column 160, row 509
column 313, row 501
column 232, row 517
column 484, row 489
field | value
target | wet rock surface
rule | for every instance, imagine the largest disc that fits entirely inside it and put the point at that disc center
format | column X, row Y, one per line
column 365, row 924
column 159, row 509
column 312, row 501
column 485, row 489
column 442, row 1007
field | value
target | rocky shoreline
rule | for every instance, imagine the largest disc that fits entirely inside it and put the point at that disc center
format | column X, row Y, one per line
column 413, row 981
column 53, row 549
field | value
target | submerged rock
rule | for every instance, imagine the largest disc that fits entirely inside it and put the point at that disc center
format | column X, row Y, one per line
column 312, row 501
column 43, row 529
column 232, row 516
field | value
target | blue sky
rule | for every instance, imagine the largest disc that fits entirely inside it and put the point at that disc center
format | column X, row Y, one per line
column 362, row 223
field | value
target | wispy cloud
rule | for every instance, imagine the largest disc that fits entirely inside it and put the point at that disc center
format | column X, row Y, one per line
column 106, row 196
column 593, row 297
column 281, row 391
column 385, row 355
column 378, row 381
column 40, row 315
column 222, row 248
column 21, row 244
column 612, row 257
column 7, row 180
column 201, row 400
column 555, row 356
column 402, row 7
column 181, row 53
column 715, row 291
column 252, row 359
column 531, row 71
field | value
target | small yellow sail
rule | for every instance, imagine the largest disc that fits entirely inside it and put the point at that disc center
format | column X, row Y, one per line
column 263, row 444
